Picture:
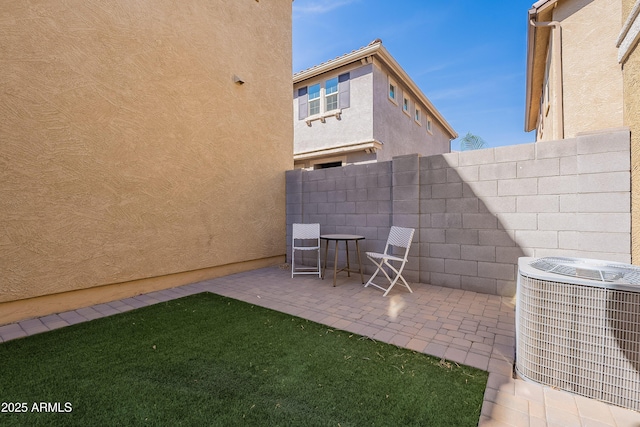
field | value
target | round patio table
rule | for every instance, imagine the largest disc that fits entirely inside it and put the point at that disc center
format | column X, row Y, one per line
column 346, row 238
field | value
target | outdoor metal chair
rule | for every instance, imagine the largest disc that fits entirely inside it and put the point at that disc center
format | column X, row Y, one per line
column 401, row 238
column 305, row 237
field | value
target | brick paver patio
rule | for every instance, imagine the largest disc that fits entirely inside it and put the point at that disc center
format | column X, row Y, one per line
column 460, row 326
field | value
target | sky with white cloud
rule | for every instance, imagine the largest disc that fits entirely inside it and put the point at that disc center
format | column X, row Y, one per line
column 468, row 57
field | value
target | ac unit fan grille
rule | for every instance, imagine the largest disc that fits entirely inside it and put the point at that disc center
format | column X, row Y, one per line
column 589, row 269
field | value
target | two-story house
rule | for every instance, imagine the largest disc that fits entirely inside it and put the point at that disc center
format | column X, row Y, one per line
column 363, row 107
column 583, row 76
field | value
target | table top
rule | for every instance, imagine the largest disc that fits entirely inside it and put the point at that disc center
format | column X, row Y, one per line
column 341, row 237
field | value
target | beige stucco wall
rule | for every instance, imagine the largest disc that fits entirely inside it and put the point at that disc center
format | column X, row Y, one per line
column 591, row 76
column 631, row 75
column 592, row 81
column 128, row 152
column 399, row 133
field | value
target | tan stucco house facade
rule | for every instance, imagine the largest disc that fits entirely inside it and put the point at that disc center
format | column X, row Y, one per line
column 583, row 76
column 363, row 107
column 629, row 59
column 574, row 80
column 134, row 155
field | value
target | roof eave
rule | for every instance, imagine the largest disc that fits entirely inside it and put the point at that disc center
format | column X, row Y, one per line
column 537, row 39
column 386, row 57
column 531, row 113
column 379, row 51
column 347, row 59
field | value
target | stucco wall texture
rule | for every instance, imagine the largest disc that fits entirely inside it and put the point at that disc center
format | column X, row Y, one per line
column 356, row 123
column 591, row 78
column 398, row 130
column 127, row 150
column 591, row 74
column 631, row 73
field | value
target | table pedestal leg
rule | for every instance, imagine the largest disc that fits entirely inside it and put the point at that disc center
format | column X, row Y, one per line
column 359, row 262
column 346, row 243
column 326, row 251
column 335, row 266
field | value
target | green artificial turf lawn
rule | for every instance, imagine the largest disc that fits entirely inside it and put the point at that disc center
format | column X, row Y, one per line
column 211, row 360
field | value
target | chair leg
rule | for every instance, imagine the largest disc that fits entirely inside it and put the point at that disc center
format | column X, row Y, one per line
column 402, row 277
column 373, row 276
column 392, row 282
column 306, row 270
column 379, row 269
column 398, row 276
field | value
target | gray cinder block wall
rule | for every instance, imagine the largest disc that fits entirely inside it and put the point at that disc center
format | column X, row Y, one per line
column 476, row 212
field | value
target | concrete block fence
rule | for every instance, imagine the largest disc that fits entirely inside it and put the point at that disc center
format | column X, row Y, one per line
column 476, row 212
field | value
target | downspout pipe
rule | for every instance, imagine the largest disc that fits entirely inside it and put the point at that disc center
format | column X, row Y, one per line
column 556, row 59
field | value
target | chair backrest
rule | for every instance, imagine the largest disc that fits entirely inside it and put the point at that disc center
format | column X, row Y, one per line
column 305, row 231
column 400, row 237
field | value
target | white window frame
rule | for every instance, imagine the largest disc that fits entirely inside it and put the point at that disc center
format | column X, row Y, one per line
column 406, row 102
column 323, row 98
column 318, row 99
column 417, row 116
column 393, row 84
column 335, row 94
column 429, row 125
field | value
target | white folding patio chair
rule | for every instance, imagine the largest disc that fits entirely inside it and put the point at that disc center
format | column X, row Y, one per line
column 401, row 238
column 305, row 237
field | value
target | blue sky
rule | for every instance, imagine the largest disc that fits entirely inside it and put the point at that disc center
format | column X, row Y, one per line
column 468, row 57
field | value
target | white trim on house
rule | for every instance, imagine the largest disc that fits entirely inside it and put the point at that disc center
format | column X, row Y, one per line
column 630, row 34
column 368, row 146
column 337, row 113
column 406, row 105
column 537, row 41
column 376, row 49
column 392, row 83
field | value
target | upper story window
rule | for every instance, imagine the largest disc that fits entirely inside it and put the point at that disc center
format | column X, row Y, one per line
column 393, row 91
column 405, row 105
column 314, row 99
column 417, row 116
column 324, row 97
column 331, row 94
column 429, row 126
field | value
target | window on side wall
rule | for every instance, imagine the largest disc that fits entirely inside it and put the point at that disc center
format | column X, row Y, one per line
column 417, row 116
column 429, row 125
column 405, row 105
column 393, row 91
